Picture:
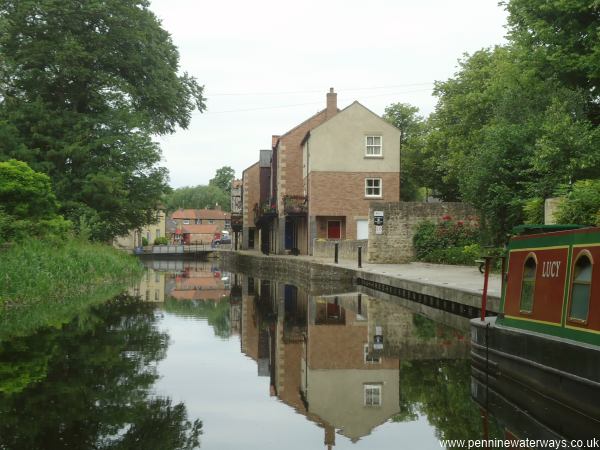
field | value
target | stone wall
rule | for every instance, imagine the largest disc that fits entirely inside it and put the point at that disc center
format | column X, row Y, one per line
column 395, row 245
column 348, row 249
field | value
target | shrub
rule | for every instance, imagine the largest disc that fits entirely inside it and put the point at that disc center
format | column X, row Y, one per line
column 144, row 241
column 533, row 211
column 161, row 241
column 447, row 242
column 581, row 205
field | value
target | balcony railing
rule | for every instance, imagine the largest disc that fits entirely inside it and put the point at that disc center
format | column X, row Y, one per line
column 264, row 210
column 295, row 204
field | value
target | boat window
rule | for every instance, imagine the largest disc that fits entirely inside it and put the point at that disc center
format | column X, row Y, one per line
column 528, row 285
column 580, row 291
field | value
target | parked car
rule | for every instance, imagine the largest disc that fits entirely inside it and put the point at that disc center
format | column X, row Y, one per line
column 224, row 239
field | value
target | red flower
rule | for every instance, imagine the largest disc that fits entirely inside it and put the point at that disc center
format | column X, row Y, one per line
column 446, row 217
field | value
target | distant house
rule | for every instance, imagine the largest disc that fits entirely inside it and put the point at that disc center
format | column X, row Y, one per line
column 199, row 234
column 185, row 218
column 149, row 232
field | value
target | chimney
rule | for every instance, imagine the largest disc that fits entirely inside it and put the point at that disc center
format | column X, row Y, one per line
column 331, row 104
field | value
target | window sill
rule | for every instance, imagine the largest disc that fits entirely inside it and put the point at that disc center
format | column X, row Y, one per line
column 373, row 157
column 373, row 197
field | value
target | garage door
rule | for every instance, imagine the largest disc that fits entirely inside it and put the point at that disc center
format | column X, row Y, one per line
column 362, row 229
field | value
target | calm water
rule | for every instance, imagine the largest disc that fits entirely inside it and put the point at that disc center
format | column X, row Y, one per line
column 195, row 356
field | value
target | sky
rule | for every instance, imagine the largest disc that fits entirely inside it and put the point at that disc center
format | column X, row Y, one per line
column 266, row 65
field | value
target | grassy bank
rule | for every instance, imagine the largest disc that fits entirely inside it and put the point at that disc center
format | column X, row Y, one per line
column 45, row 283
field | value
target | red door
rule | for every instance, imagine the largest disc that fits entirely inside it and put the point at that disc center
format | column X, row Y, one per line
column 334, row 229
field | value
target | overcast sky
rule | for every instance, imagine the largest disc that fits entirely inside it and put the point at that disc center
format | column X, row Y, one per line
column 267, row 64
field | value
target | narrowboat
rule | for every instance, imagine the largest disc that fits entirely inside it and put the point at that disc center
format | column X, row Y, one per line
column 546, row 337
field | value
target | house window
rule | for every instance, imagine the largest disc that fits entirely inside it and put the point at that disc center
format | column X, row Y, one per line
column 373, row 146
column 528, row 284
column 186, row 222
column 581, row 288
column 157, row 233
column 373, row 187
column 197, row 221
column 211, row 222
column 372, row 394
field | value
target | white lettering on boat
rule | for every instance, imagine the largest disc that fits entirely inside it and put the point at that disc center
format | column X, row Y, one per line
column 551, row 269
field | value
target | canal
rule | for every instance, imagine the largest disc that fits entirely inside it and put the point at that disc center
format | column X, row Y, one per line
column 195, row 355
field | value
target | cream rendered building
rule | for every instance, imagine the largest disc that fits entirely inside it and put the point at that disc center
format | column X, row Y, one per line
column 350, row 160
column 150, row 232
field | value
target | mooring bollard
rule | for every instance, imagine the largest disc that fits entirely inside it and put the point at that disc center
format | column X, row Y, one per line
column 359, row 256
column 335, row 252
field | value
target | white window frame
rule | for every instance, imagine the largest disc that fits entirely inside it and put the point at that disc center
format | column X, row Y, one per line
column 186, row 222
column 373, row 150
column 367, row 187
column 372, row 387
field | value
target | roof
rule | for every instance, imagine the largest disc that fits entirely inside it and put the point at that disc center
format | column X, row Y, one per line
column 184, row 214
column 213, row 214
column 208, row 214
column 340, row 112
column 200, row 229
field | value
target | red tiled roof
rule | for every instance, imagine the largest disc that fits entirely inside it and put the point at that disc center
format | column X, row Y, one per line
column 200, row 229
column 213, row 214
column 205, row 214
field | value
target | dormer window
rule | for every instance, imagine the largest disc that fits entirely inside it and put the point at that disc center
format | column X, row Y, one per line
column 373, row 146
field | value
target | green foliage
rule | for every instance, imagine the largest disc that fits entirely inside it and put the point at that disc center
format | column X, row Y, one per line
column 45, row 283
column 504, row 133
column 161, row 241
column 447, row 242
column 562, row 38
column 145, row 241
column 413, row 131
column 582, row 205
column 439, row 389
column 533, row 211
column 223, row 178
column 85, row 87
column 216, row 313
column 28, row 204
column 98, row 373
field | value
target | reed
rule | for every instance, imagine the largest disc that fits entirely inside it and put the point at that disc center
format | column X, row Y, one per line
column 46, row 283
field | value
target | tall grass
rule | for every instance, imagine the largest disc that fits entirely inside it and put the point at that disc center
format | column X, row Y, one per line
column 45, row 283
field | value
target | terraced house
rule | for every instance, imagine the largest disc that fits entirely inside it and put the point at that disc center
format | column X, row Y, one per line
column 319, row 178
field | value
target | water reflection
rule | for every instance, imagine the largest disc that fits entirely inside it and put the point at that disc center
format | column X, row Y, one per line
column 89, row 385
column 343, row 371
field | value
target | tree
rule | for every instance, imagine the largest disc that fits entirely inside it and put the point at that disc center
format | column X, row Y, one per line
column 84, row 87
column 561, row 37
column 412, row 132
column 223, row 178
column 503, row 134
column 197, row 197
column 582, row 204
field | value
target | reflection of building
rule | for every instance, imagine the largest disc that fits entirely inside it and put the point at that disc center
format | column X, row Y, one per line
column 151, row 287
column 343, row 382
column 198, row 283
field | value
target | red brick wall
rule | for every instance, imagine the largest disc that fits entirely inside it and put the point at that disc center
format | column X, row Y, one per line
column 290, row 170
column 250, row 193
column 343, row 194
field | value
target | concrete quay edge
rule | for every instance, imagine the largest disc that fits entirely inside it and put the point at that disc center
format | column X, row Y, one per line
column 458, row 284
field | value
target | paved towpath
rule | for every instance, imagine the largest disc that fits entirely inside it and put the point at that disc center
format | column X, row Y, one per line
column 463, row 278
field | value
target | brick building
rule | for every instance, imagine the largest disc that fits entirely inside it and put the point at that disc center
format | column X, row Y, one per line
column 350, row 160
column 318, row 180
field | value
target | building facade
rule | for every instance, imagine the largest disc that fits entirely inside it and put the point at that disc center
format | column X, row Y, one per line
column 349, row 161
